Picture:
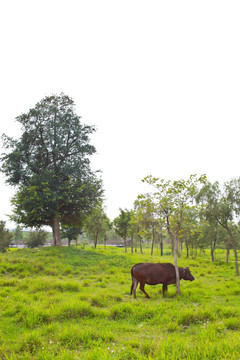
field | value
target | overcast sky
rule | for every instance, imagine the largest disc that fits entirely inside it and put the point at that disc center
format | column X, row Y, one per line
column 159, row 79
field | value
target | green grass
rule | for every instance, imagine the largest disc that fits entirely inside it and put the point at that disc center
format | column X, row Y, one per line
column 69, row 303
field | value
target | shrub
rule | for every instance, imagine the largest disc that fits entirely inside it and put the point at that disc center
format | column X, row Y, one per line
column 5, row 237
column 36, row 238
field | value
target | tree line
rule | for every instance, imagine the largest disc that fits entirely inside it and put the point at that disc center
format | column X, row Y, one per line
column 194, row 213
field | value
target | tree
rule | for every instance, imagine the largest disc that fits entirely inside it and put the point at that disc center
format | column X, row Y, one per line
column 123, row 225
column 136, row 226
column 50, row 166
column 191, row 230
column 223, row 206
column 145, row 209
column 97, row 224
column 212, row 233
column 173, row 199
column 70, row 233
column 133, row 229
column 5, row 237
column 18, row 235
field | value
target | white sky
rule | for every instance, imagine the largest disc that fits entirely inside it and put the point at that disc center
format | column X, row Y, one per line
column 159, row 79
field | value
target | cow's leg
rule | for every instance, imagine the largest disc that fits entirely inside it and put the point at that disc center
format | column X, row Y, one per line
column 164, row 288
column 142, row 289
column 134, row 286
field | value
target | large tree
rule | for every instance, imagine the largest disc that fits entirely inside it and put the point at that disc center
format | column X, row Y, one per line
column 50, row 166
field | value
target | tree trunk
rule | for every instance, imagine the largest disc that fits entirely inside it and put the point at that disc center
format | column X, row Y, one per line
column 187, row 250
column 95, row 241
column 175, row 238
column 172, row 245
column 132, row 243
column 56, row 232
column 152, row 241
column 213, row 247
column 227, row 255
column 175, row 254
column 161, row 242
column 161, row 247
column 140, row 244
column 236, row 260
column 212, row 252
column 125, row 244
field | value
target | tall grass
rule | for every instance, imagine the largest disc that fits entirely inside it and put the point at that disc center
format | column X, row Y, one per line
column 70, row 303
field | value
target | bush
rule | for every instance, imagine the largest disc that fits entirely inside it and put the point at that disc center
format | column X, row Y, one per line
column 36, row 238
column 5, row 237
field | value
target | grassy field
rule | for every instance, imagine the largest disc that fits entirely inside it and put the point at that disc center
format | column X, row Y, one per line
column 71, row 303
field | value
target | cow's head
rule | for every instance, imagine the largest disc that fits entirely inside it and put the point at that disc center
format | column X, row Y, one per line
column 187, row 275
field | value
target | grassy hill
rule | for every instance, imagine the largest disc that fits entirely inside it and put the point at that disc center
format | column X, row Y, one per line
column 72, row 303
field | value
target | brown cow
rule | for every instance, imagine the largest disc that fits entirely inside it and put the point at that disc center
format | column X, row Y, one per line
column 153, row 274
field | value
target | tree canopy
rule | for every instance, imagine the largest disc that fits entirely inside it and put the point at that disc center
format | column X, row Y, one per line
column 50, row 166
column 97, row 225
column 174, row 200
column 123, row 225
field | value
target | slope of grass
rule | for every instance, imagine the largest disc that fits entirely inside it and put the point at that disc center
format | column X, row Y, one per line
column 70, row 303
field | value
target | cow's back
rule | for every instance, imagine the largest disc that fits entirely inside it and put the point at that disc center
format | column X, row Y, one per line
column 152, row 274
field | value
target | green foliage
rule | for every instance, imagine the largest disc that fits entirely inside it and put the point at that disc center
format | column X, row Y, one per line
column 173, row 204
column 221, row 206
column 18, row 235
column 5, row 237
column 97, row 225
column 123, row 225
column 173, row 200
column 70, row 233
column 36, row 238
column 50, row 165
